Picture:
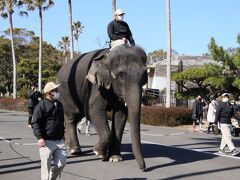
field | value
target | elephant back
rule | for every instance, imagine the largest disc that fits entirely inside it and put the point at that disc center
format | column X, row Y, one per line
column 74, row 85
column 79, row 65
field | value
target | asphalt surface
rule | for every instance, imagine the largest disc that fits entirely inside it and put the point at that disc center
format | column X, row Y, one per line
column 170, row 153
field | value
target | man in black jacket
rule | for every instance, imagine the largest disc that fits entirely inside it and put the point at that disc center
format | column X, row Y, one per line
column 48, row 127
column 197, row 111
column 119, row 31
column 33, row 98
column 224, row 113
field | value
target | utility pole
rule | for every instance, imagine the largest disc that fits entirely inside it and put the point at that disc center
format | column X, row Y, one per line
column 168, row 76
column 113, row 8
column 70, row 28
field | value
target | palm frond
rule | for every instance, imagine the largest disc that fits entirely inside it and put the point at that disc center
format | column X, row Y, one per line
column 4, row 15
column 48, row 5
column 23, row 13
column 2, row 5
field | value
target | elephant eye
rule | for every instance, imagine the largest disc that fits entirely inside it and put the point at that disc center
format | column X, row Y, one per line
column 119, row 75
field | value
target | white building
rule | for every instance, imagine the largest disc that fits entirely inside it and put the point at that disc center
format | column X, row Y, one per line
column 157, row 71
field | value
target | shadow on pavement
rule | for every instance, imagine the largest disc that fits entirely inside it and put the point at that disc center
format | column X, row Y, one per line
column 180, row 156
column 18, row 167
column 202, row 172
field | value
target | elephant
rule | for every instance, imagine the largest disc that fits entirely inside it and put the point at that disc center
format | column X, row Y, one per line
column 119, row 76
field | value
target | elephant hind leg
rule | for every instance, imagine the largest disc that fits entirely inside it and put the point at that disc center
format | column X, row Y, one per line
column 71, row 139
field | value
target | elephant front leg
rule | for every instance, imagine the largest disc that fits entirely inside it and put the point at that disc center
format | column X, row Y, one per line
column 118, row 124
column 71, row 139
column 101, row 126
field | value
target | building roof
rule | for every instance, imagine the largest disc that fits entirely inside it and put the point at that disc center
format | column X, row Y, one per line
column 187, row 61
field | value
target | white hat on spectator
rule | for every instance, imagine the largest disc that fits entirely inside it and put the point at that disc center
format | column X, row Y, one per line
column 225, row 94
column 50, row 86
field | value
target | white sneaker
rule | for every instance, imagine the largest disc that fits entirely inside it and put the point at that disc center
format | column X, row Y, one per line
column 235, row 152
column 221, row 151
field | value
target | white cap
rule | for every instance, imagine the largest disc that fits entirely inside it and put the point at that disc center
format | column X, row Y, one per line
column 119, row 12
column 50, row 86
column 225, row 94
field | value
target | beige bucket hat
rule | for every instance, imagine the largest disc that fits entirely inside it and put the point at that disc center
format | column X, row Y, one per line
column 50, row 86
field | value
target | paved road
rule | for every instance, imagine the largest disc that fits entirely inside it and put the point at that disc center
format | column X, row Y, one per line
column 170, row 153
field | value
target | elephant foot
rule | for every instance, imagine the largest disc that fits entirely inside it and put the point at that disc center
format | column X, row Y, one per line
column 115, row 158
column 99, row 153
column 76, row 151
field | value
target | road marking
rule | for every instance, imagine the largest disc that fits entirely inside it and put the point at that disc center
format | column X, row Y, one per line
column 176, row 134
column 148, row 134
column 195, row 150
column 161, row 135
column 19, row 144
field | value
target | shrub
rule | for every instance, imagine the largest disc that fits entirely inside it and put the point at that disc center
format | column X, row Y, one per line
column 14, row 104
column 151, row 115
column 23, row 92
column 161, row 116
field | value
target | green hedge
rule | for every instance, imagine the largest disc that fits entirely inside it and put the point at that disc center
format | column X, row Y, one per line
column 150, row 115
column 161, row 116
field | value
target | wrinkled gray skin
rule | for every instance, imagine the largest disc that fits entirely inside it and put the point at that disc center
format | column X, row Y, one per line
column 121, row 75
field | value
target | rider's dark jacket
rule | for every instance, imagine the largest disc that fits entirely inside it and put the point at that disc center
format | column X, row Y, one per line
column 118, row 30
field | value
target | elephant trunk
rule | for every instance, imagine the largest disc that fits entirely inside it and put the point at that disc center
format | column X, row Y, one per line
column 134, row 109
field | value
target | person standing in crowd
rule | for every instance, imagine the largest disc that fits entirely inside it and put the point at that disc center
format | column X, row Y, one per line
column 87, row 123
column 197, row 112
column 204, row 114
column 33, row 98
column 224, row 113
column 211, row 115
column 48, row 127
column 119, row 31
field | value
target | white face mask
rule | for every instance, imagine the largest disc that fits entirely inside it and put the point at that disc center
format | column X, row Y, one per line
column 224, row 99
column 56, row 95
column 120, row 17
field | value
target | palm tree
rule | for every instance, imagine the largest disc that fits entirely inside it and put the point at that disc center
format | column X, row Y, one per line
column 7, row 9
column 77, row 30
column 70, row 28
column 40, row 5
column 64, row 46
column 113, row 7
column 168, row 88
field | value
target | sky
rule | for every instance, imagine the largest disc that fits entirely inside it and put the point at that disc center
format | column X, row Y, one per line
column 193, row 23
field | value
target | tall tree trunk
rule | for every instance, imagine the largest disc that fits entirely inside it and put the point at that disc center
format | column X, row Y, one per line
column 113, row 7
column 168, row 84
column 70, row 28
column 65, row 55
column 77, row 45
column 13, row 57
column 40, row 52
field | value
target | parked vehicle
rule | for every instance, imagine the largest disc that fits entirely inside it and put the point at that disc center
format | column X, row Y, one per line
column 150, row 97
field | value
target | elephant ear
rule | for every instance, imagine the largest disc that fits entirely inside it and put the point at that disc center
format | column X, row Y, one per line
column 99, row 74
